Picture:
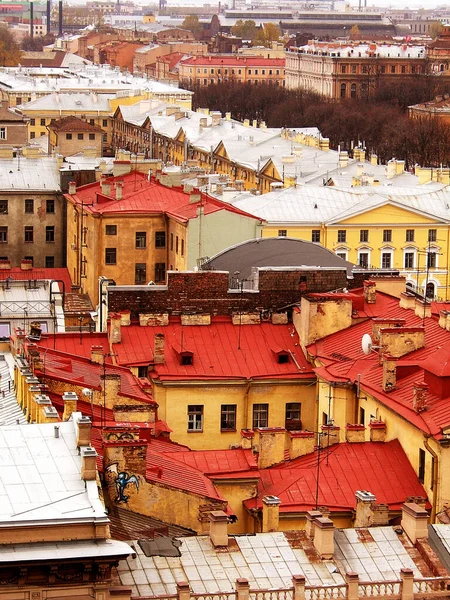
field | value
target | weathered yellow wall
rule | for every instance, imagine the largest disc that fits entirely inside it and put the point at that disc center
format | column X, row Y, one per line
column 376, row 221
column 173, row 404
column 236, row 492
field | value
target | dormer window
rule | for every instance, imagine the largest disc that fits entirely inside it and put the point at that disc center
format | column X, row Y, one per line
column 283, row 358
column 186, row 358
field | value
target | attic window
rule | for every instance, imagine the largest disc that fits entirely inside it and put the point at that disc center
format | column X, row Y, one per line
column 283, row 358
column 187, row 359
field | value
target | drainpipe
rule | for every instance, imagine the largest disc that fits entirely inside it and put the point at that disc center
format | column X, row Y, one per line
column 435, row 476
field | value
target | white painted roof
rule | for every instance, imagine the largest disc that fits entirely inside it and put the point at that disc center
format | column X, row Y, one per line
column 75, row 102
column 366, row 50
column 63, row 550
column 89, row 78
column 267, row 561
column 29, row 174
column 40, row 476
column 319, row 204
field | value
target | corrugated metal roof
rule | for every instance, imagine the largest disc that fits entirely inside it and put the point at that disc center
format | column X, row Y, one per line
column 320, row 204
column 434, row 356
column 220, row 350
column 29, row 174
column 382, row 469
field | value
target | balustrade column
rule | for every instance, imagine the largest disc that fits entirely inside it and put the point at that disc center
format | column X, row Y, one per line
column 242, row 589
column 352, row 581
column 407, row 577
column 299, row 587
column 183, row 590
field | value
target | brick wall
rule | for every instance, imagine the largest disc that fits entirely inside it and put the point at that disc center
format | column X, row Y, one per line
column 208, row 292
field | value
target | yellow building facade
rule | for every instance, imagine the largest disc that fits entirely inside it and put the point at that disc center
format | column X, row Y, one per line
column 390, row 237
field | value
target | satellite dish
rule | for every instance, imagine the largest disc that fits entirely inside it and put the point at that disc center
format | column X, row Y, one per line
column 366, row 343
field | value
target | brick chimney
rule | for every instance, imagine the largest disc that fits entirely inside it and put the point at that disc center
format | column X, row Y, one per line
column 97, row 355
column 370, row 291
column 407, row 301
column 83, row 429
column 381, row 323
column 389, row 373
column 218, row 528
column 377, row 431
column 414, row 521
column 88, row 463
column 420, row 396
column 119, row 190
column 70, row 400
column 310, row 516
column 355, row 433
column 301, row 443
column 364, row 509
column 322, row 315
column 247, row 436
column 114, row 331
column 422, row 308
column 271, row 513
column 158, row 350
column 111, row 385
column 106, row 186
column 398, row 341
column 330, row 435
column 72, row 188
column 324, row 537
column 271, row 446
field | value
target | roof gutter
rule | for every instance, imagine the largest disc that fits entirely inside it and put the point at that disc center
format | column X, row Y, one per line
column 434, row 475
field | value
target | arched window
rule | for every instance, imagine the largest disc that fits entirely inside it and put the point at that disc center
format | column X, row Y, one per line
column 353, row 90
column 343, row 90
column 431, row 290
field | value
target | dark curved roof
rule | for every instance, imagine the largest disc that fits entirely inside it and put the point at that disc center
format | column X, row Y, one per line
column 274, row 252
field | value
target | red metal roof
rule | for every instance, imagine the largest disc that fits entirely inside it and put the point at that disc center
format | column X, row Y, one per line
column 82, row 372
column 220, row 462
column 75, row 345
column 343, row 360
column 18, row 274
column 220, row 350
column 163, row 468
column 139, row 195
column 380, row 468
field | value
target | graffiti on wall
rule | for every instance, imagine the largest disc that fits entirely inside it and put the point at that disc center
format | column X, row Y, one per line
column 122, row 480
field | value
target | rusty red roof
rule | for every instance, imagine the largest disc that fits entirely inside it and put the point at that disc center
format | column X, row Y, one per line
column 141, row 195
column 380, row 468
column 72, row 123
column 220, row 350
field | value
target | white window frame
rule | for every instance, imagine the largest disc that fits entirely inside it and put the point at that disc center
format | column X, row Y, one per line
column 195, row 417
column 409, row 250
column 3, row 133
column 386, row 251
column 432, row 250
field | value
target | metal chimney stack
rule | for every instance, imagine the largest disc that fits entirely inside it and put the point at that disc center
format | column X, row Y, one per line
column 49, row 5
column 31, row 20
column 60, row 29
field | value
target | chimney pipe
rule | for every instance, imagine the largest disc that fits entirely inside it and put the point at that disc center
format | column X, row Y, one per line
column 60, row 28
column 31, row 20
column 48, row 15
